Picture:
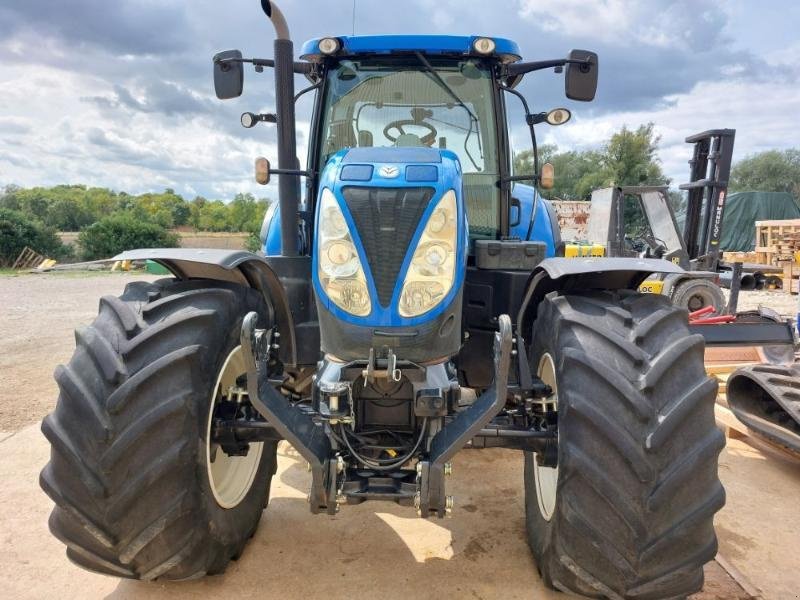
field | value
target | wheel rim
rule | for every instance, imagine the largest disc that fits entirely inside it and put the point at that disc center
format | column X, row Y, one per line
column 231, row 477
column 546, row 478
column 698, row 301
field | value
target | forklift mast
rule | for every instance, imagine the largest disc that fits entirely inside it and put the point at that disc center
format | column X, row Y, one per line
column 710, row 169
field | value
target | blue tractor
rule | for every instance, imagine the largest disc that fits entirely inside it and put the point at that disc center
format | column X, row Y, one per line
column 410, row 301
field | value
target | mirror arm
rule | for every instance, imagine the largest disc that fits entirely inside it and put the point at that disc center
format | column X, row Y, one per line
column 302, row 68
column 531, row 120
column 516, row 69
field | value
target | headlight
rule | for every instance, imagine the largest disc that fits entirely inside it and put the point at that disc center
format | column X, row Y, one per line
column 339, row 268
column 433, row 266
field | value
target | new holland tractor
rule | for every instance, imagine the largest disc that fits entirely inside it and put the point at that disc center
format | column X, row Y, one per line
column 408, row 303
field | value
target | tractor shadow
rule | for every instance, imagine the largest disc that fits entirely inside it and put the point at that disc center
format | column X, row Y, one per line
column 382, row 549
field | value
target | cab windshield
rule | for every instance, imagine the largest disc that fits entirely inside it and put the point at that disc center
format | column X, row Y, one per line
column 399, row 103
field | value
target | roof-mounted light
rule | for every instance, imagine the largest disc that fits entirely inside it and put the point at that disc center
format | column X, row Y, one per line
column 329, row 45
column 484, row 45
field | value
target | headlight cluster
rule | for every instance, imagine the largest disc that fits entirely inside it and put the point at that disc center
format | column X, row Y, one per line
column 432, row 271
column 340, row 272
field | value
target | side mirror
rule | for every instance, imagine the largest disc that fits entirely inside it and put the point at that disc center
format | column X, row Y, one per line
column 580, row 80
column 228, row 74
column 262, row 170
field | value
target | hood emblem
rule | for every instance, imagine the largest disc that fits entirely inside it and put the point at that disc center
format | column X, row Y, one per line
column 389, row 171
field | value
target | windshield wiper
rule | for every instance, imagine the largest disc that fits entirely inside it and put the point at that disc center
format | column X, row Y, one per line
column 473, row 120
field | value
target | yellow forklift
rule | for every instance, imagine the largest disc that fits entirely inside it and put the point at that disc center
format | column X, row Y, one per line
column 658, row 235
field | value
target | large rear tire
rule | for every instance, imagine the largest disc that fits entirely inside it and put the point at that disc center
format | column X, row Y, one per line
column 628, row 512
column 130, row 468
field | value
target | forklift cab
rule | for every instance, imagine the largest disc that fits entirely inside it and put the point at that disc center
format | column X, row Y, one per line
column 650, row 229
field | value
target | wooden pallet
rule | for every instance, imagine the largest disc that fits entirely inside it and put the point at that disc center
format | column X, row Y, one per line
column 27, row 259
column 742, row 257
column 777, row 241
column 791, row 275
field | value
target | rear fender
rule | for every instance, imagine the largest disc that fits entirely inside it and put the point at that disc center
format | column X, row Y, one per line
column 283, row 281
column 583, row 274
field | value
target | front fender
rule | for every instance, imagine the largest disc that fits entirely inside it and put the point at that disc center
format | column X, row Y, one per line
column 582, row 274
column 252, row 270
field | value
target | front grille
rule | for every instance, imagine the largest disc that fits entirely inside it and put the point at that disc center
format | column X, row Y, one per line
column 386, row 219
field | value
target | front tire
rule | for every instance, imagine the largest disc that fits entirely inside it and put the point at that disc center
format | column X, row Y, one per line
column 129, row 470
column 631, row 503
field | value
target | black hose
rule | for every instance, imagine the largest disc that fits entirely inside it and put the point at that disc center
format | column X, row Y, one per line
column 385, row 465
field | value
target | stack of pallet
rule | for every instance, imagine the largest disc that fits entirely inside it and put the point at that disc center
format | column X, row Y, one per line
column 778, row 244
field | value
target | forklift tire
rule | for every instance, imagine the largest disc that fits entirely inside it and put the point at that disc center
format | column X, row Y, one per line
column 694, row 294
column 130, row 469
column 628, row 510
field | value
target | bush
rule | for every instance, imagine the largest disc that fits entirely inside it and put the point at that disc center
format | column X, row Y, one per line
column 118, row 233
column 18, row 230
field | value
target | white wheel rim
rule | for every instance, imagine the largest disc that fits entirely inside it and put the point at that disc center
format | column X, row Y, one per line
column 546, row 478
column 231, row 477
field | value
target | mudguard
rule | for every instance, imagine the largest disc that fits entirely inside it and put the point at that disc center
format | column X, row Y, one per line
column 565, row 274
column 284, row 282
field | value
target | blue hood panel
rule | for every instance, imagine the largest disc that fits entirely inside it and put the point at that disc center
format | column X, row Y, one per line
column 438, row 170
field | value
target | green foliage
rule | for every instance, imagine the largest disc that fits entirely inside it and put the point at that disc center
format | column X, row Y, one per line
column 629, row 158
column 75, row 207
column 18, row 230
column 117, row 233
column 770, row 171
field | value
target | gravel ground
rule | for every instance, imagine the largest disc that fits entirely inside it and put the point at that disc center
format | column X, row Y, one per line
column 40, row 313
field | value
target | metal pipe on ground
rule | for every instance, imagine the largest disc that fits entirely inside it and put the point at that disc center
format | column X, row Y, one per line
column 747, row 281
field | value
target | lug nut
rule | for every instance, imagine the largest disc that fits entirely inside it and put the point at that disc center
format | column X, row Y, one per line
column 448, row 469
column 448, row 504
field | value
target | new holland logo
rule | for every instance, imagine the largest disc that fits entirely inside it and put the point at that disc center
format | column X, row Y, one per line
column 389, row 171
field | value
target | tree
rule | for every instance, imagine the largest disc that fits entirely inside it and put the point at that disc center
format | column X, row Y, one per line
column 770, row 171
column 18, row 230
column 118, row 233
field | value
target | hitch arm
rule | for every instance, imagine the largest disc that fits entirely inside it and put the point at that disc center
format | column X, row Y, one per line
column 465, row 426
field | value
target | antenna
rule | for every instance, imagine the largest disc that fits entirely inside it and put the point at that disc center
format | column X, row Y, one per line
column 354, row 17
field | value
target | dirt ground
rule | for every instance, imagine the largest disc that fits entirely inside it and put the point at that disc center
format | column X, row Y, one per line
column 366, row 550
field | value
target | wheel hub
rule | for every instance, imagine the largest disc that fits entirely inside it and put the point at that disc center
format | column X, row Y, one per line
column 230, row 476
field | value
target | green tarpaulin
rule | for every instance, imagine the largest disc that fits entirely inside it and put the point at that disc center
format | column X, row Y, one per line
column 743, row 209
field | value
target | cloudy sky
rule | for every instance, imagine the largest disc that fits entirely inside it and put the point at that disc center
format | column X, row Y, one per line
column 119, row 94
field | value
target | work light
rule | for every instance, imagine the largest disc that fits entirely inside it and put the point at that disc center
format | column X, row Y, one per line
column 329, row 45
column 484, row 45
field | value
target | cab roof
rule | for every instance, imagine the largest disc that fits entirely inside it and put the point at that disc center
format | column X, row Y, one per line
column 505, row 49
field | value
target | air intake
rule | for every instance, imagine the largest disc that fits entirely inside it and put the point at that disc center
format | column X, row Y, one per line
column 386, row 219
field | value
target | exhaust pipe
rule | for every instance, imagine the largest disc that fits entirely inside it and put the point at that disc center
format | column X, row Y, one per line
column 288, row 185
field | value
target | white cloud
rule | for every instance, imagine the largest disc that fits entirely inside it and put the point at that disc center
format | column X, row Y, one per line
column 128, row 150
column 759, row 112
column 663, row 23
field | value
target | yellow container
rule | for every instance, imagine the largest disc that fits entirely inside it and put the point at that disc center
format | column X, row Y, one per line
column 583, row 250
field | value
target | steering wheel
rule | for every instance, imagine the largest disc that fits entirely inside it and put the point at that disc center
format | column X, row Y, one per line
column 428, row 139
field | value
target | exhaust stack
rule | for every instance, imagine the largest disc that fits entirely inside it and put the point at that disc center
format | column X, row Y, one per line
column 288, row 185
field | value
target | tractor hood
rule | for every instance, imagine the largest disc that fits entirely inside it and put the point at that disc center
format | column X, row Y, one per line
column 390, row 249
